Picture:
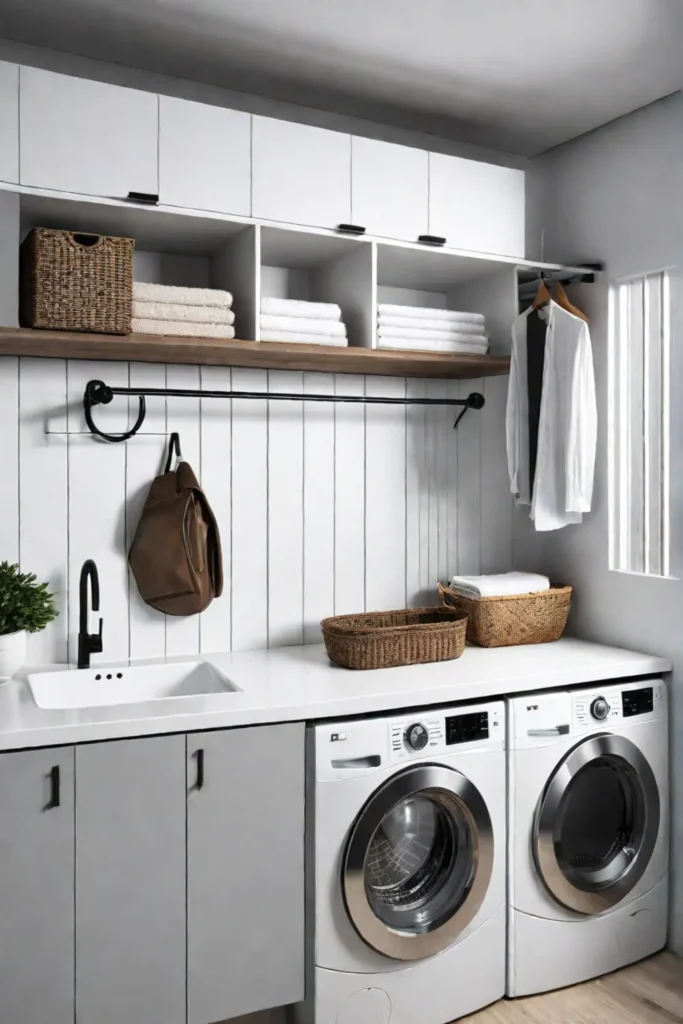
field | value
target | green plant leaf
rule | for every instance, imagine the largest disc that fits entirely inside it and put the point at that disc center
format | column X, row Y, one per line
column 24, row 603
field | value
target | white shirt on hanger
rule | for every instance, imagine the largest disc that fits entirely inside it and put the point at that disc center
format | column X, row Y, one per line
column 567, row 431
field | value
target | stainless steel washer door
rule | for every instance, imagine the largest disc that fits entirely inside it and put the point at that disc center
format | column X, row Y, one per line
column 418, row 862
column 597, row 824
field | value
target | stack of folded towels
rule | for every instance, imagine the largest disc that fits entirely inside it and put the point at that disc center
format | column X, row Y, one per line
column 504, row 584
column 187, row 312
column 313, row 323
column 431, row 330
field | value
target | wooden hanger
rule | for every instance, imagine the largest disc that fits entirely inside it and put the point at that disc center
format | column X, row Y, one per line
column 543, row 296
column 562, row 299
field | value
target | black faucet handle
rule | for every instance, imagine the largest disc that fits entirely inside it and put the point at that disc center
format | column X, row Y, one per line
column 96, row 641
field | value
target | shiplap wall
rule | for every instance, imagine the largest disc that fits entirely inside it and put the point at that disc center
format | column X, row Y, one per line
column 323, row 509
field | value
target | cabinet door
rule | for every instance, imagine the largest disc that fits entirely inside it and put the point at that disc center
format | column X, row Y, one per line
column 37, row 886
column 88, row 137
column 9, row 122
column 245, row 871
column 130, row 881
column 300, row 174
column 204, row 157
column 476, row 206
column 389, row 189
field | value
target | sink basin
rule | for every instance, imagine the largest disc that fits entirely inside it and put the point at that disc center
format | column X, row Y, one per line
column 106, row 687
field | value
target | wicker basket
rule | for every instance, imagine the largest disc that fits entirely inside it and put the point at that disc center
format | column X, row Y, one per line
column 72, row 281
column 411, row 636
column 511, row 621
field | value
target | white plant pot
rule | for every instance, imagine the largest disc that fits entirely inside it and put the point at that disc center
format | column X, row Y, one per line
column 12, row 653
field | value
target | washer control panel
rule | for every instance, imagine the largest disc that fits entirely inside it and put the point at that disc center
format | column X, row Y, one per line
column 433, row 733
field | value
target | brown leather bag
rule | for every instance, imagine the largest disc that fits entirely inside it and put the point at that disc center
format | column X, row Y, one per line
column 176, row 551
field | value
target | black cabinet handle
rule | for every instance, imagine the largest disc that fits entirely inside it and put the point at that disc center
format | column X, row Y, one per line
column 55, row 788
column 431, row 239
column 150, row 198
column 351, row 229
column 199, row 755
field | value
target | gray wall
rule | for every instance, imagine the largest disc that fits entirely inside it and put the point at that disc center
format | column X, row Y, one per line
column 617, row 195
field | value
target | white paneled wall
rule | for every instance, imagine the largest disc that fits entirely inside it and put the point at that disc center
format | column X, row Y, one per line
column 323, row 509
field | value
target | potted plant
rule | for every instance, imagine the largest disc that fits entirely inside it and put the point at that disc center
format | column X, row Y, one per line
column 26, row 606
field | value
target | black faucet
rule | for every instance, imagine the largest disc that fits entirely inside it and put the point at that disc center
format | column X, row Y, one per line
column 88, row 643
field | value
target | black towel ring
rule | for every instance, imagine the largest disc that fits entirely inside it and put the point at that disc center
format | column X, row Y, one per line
column 97, row 393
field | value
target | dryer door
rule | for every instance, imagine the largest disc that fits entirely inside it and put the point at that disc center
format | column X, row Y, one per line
column 597, row 824
column 418, row 862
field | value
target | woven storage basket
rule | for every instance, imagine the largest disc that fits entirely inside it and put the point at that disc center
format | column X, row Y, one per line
column 511, row 621
column 411, row 636
column 71, row 281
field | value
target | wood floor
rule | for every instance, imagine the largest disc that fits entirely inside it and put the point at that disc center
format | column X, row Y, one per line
column 650, row 992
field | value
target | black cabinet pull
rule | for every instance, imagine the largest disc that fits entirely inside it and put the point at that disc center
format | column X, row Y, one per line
column 55, row 788
column 431, row 239
column 199, row 755
column 351, row 229
column 150, row 198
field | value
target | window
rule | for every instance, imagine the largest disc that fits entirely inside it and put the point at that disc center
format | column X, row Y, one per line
column 639, row 319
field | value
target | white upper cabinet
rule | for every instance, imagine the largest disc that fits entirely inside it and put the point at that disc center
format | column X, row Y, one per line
column 9, row 122
column 300, row 174
column 87, row 137
column 476, row 206
column 389, row 189
column 204, row 157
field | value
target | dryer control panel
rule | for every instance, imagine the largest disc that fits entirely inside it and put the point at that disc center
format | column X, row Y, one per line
column 438, row 732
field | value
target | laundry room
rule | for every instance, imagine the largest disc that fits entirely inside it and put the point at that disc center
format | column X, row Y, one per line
column 341, row 531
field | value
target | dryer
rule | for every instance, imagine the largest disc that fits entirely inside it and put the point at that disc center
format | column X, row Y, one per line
column 588, row 832
column 409, row 838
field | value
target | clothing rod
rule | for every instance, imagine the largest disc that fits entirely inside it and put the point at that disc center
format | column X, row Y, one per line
column 279, row 396
column 99, row 393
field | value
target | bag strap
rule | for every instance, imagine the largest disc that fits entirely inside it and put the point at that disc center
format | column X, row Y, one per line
column 173, row 447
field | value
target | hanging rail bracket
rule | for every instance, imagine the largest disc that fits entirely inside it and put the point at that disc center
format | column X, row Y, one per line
column 99, row 393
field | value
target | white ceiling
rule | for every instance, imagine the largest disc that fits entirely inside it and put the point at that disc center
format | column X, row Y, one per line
column 515, row 75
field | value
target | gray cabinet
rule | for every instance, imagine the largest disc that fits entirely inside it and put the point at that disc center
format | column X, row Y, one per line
column 9, row 122
column 130, row 882
column 245, row 870
column 37, row 886
column 77, row 135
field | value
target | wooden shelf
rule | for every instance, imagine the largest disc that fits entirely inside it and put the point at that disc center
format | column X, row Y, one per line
column 148, row 348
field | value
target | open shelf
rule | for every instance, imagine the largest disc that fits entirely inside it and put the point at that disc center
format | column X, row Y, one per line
column 147, row 348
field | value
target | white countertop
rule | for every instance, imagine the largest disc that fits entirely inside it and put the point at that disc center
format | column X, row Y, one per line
column 299, row 683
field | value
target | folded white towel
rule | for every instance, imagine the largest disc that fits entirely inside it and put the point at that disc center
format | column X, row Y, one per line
column 389, row 309
column 181, row 328
column 303, row 339
column 178, row 311
column 305, row 324
column 146, row 292
column 502, row 585
column 410, row 332
column 413, row 345
column 466, row 326
column 299, row 308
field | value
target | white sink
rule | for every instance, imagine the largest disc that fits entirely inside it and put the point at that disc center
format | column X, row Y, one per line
column 106, row 687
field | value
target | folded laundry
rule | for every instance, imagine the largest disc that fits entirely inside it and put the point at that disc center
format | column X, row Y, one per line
column 182, row 311
column 466, row 326
column 181, row 328
column 445, row 335
column 147, row 292
column 504, row 584
column 412, row 345
column 303, row 338
column 390, row 309
column 299, row 308
column 303, row 324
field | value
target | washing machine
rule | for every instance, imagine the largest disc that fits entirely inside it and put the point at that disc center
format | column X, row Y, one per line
column 409, row 841
column 588, row 832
